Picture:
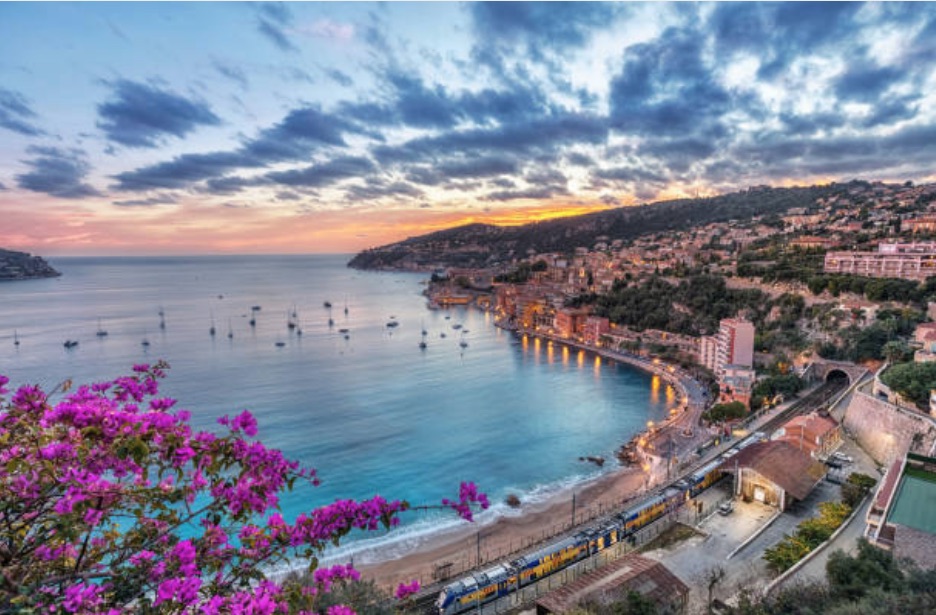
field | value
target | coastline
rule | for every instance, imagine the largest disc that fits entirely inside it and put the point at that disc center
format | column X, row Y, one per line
column 450, row 555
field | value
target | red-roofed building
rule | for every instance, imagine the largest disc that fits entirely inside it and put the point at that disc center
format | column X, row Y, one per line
column 815, row 434
column 775, row 473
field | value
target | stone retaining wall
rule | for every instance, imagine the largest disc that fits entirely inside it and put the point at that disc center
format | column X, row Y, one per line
column 885, row 431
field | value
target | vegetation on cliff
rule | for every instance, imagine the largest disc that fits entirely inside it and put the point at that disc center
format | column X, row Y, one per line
column 483, row 245
column 23, row 266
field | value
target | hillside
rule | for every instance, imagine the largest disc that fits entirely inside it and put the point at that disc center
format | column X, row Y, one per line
column 23, row 266
column 481, row 245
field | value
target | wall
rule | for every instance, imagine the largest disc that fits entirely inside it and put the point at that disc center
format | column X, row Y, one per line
column 884, row 430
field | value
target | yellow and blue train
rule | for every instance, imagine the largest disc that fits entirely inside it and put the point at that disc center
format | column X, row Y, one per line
column 480, row 588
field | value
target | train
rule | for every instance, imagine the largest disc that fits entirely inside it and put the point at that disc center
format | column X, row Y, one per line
column 500, row 580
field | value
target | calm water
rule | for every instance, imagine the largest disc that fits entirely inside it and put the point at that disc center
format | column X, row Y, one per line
column 373, row 413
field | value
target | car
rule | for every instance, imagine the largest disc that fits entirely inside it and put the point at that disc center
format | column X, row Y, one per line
column 843, row 457
column 726, row 508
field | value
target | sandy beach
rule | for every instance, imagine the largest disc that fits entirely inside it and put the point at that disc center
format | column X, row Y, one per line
column 509, row 534
column 448, row 556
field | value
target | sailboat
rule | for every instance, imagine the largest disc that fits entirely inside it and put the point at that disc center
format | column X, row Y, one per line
column 422, row 343
column 346, row 305
column 145, row 342
column 162, row 318
column 100, row 330
column 230, row 330
column 15, row 338
column 211, row 331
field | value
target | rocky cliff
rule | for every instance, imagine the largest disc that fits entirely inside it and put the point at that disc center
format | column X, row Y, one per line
column 23, row 266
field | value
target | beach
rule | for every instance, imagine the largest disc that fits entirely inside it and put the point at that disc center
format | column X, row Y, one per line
column 504, row 536
column 458, row 551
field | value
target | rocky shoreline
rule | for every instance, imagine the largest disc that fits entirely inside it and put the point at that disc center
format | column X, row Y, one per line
column 24, row 266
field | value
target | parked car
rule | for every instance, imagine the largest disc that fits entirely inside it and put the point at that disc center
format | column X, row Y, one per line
column 726, row 508
column 843, row 457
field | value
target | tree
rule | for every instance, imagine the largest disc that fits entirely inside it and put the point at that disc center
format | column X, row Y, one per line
column 111, row 500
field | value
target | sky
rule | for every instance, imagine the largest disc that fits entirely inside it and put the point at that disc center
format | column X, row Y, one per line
column 182, row 128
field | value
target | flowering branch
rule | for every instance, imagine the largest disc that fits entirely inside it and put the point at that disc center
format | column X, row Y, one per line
column 97, row 487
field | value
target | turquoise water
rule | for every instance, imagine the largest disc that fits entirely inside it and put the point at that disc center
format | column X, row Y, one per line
column 373, row 413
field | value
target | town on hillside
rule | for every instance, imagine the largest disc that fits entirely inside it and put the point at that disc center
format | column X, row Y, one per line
column 836, row 299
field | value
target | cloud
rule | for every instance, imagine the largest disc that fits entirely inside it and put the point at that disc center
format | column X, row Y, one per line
column 326, row 28
column 301, row 132
column 478, row 167
column 2, row 186
column 376, row 188
column 16, row 114
column 543, row 192
column 668, row 87
column 276, row 35
column 141, row 115
column 57, row 172
column 165, row 199
column 339, row 77
column 234, row 73
column 553, row 25
column 326, row 173
column 271, row 18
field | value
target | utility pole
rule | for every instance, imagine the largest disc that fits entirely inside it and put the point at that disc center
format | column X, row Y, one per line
column 573, row 510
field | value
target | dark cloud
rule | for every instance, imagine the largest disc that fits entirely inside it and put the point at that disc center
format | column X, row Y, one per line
column 276, row 35
column 339, row 77
column 478, row 167
column 668, row 87
column 378, row 189
column 298, row 135
column 420, row 106
column 630, row 174
column 287, row 195
column 546, row 176
column 140, row 115
column 149, row 202
column 16, row 114
column 231, row 185
column 326, row 173
column 234, row 73
column 546, row 134
column 609, row 199
column 58, row 172
column 182, row 171
column 275, row 11
column 866, row 83
column 579, row 160
column 2, row 186
column 543, row 192
column 553, row 25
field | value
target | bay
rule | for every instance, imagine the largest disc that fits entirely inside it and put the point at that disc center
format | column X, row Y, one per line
column 373, row 413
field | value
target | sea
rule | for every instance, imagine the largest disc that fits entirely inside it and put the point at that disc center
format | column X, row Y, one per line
column 369, row 409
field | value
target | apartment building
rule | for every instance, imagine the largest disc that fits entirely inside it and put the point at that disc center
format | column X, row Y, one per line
column 907, row 261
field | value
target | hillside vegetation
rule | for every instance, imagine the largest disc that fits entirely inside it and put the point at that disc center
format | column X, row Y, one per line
column 484, row 245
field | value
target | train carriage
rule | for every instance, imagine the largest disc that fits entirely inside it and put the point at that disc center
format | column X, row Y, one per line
column 479, row 588
column 705, row 477
column 547, row 560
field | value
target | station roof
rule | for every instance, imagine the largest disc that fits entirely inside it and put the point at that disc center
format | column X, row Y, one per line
column 782, row 463
column 633, row 572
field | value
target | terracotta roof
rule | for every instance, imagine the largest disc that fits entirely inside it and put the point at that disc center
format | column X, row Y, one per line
column 807, row 430
column 783, row 464
column 610, row 583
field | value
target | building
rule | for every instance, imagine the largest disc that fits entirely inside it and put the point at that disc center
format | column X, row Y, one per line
column 735, row 344
column 901, row 517
column 612, row 582
column 736, row 383
column 809, row 242
column 924, row 338
column 923, row 224
column 708, row 352
column 594, row 328
column 816, row 434
column 774, row 473
column 908, row 261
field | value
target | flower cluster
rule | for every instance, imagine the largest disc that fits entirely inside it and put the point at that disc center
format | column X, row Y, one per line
column 468, row 494
column 112, row 501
